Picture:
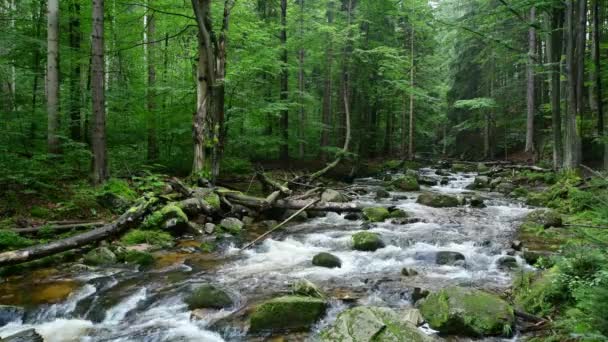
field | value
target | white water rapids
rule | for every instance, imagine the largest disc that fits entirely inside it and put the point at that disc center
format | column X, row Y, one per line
column 119, row 305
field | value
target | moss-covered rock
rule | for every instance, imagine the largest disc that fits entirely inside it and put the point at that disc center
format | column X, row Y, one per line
column 460, row 167
column 232, row 225
column 167, row 217
column 481, row 182
column 376, row 214
column 327, row 260
column 331, row 195
column 208, row 297
column 546, row 218
column 151, row 237
column 464, row 311
column 367, row 241
column 405, row 183
column 213, row 199
column 437, row 200
column 292, row 313
column 116, row 195
column 305, row 288
column 100, row 256
column 398, row 213
column 376, row 324
column 140, row 258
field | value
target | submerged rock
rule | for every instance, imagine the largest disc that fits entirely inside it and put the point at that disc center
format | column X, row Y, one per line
column 327, row 260
column 448, row 258
column 477, row 202
column 408, row 272
column 398, row 213
column 208, row 297
column 429, row 181
column 376, row 214
column 100, row 256
column 470, row 312
column 353, row 217
column 288, row 313
column 437, row 200
column 366, row 241
column 507, row 263
column 373, row 324
column 406, row 183
column 382, row 194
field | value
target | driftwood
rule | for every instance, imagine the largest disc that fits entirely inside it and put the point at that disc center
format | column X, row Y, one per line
column 67, row 226
column 131, row 219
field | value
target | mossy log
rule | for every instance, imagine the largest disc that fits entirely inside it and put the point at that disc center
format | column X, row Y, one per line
column 261, row 204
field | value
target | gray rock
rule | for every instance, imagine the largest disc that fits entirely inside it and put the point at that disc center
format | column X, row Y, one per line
column 100, row 256
column 232, row 225
column 507, row 263
column 448, row 258
column 331, row 195
column 353, row 216
column 28, row 335
column 382, row 194
column 408, row 272
column 10, row 313
column 517, row 245
column 477, row 202
column 209, row 228
column 419, row 294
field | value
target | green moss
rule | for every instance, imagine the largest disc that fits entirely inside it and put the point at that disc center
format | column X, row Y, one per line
column 12, row 240
column 208, row 296
column 367, row 241
column 520, row 192
column 437, row 200
column 213, row 199
column 411, row 165
column 293, row 313
column 208, row 247
column 481, row 167
column 537, row 294
column 40, row 212
column 398, row 213
column 376, row 214
column 405, row 183
column 464, row 167
column 120, row 188
column 152, row 237
column 392, row 164
column 158, row 218
column 100, row 256
column 139, row 258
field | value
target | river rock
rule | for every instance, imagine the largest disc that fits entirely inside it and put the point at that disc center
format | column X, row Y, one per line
column 408, row 272
column 517, row 245
column 326, row 260
column 353, row 217
column 426, row 180
column 209, row 228
column 398, row 213
column 376, row 214
column 366, row 241
column 28, row 335
column 545, row 217
column 470, row 312
column 331, row 195
column 170, row 217
column 9, row 313
column 442, row 173
column 476, row 202
column 448, row 258
column 208, row 297
column 372, row 324
column 305, row 288
column 444, row 181
column 381, row 193
column 413, row 316
column 406, row 183
column 405, row 220
column 506, row 263
column 437, row 200
column 292, row 313
column 100, row 256
column 505, row 187
column 419, row 294
column 232, row 225
column 481, row 182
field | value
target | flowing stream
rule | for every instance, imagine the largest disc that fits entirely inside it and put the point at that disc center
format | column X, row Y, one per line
column 118, row 304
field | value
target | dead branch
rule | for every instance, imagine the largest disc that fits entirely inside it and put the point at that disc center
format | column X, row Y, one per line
column 68, row 226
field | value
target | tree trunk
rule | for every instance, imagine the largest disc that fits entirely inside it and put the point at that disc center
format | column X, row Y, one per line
column 531, row 108
column 554, row 48
column 151, row 98
column 284, row 148
column 571, row 142
column 412, row 148
column 52, row 76
column 75, row 72
column 581, row 41
column 598, row 86
column 301, row 86
column 98, row 141
column 327, row 91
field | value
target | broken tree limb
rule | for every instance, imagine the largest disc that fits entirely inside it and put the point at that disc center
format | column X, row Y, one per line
column 261, row 237
column 272, row 183
column 69, row 226
column 131, row 219
column 260, row 204
column 180, row 187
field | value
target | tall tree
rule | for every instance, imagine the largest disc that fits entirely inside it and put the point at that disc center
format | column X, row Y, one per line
column 411, row 154
column 75, row 70
column 597, row 79
column 572, row 145
column 284, row 148
column 554, row 54
column 98, row 137
column 52, row 76
column 530, row 97
column 301, row 86
column 327, row 85
column 151, row 98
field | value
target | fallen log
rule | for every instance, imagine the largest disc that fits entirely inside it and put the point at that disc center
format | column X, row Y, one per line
column 131, row 219
column 68, row 226
column 267, row 182
column 261, row 204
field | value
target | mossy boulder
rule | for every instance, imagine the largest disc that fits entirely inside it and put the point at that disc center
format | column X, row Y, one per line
column 376, row 214
column 167, row 217
column 405, row 183
column 305, row 288
column 232, row 225
column 326, row 260
column 437, row 200
column 116, row 195
column 208, row 297
column 505, row 187
column 100, row 256
column 470, row 312
column 481, row 182
column 331, row 195
column 546, row 218
column 213, row 199
column 367, row 241
column 507, row 262
column 288, row 313
column 376, row 324
column 398, row 213
column 143, row 259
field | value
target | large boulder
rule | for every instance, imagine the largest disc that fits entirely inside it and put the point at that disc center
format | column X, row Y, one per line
column 376, row 214
column 169, row 217
column 470, row 312
column 448, row 258
column 437, row 200
column 481, row 182
column 326, row 260
column 362, row 324
column 291, row 313
column 208, row 297
column 232, row 225
column 406, row 183
column 367, row 242
column 505, row 187
column 426, row 180
column 331, row 195
column 546, row 218
column 100, row 256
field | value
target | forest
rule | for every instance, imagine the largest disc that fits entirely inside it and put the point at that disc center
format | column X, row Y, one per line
column 303, row 170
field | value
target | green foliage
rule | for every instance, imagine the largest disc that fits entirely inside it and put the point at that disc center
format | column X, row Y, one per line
column 143, row 259
column 152, row 237
column 11, row 240
column 237, row 166
column 477, row 103
column 149, row 182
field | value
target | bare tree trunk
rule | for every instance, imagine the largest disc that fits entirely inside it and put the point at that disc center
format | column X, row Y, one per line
column 571, row 141
column 52, row 76
column 412, row 148
column 75, row 72
column 98, row 141
column 531, row 108
column 151, row 98
column 327, row 91
column 598, row 86
column 554, row 49
column 301, row 86
column 284, row 148
column 581, row 41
